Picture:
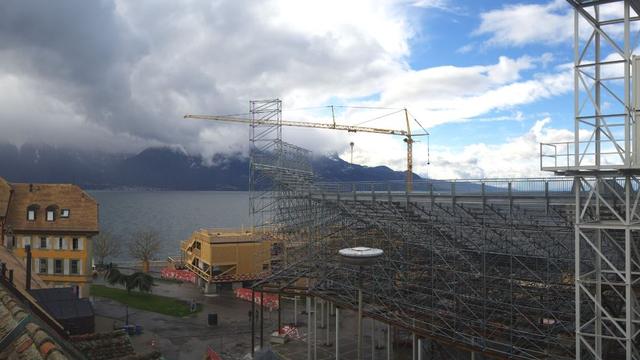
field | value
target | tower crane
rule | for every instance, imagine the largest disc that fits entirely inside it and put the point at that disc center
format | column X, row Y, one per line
column 408, row 136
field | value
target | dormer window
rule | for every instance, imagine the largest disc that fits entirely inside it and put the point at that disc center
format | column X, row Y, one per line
column 64, row 213
column 31, row 212
column 51, row 213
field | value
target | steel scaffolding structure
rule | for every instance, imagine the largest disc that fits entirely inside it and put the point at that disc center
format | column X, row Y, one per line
column 483, row 266
column 480, row 266
column 517, row 269
column 604, row 160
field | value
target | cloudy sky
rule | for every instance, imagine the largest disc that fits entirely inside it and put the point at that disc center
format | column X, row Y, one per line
column 489, row 79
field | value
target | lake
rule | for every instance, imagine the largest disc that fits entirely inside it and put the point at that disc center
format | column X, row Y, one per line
column 173, row 214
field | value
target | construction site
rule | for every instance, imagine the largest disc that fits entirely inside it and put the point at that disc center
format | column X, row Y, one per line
column 529, row 268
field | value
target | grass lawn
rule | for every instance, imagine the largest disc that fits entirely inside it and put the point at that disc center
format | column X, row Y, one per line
column 144, row 301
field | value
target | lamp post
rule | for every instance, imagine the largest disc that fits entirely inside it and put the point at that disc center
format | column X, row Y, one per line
column 360, row 256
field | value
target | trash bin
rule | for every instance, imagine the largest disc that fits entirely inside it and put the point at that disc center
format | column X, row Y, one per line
column 213, row 319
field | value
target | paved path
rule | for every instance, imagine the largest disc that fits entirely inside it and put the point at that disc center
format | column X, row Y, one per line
column 188, row 337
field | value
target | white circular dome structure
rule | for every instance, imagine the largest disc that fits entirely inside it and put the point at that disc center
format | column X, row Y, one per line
column 360, row 255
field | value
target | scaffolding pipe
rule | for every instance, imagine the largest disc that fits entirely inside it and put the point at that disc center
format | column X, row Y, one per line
column 373, row 339
column 315, row 328
column 327, row 342
column 261, row 319
column 253, row 322
column 360, row 324
column 388, row 342
column 337, row 309
column 308, row 328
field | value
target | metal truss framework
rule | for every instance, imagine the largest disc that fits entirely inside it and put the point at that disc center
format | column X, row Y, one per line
column 481, row 266
column 519, row 269
column 266, row 150
column 604, row 160
column 484, row 266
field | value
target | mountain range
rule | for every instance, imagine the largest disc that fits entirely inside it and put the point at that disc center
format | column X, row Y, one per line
column 158, row 168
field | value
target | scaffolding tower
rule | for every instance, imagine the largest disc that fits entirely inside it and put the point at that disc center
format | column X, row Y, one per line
column 603, row 159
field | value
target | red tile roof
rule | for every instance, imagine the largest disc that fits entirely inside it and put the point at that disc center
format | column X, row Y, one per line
column 29, row 340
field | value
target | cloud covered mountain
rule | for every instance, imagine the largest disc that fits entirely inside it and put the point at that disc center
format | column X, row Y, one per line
column 157, row 168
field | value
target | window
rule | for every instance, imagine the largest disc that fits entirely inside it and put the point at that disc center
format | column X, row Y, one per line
column 44, row 266
column 31, row 214
column 65, row 213
column 43, row 242
column 51, row 212
column 60, row 243
column 75, row 244
column 74, row 267
column 57, row 266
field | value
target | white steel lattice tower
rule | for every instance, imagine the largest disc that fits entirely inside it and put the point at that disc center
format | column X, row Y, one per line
column 604, row 159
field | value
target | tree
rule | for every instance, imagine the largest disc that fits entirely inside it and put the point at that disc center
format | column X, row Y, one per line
column 105, row 246
column 143, row 282
column 143, row 246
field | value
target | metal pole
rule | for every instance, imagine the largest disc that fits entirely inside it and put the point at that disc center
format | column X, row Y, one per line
column 373, row 339
column 359, row 324
column 419, row 348
column 308, row 328
column 337, row 333
column 295, row 311
column 315, row 328
column 328, row 325
column 279, row 313
column 322, row 302
column 413, row 346
column 253, row 321
column 261, row 319
column 388, row 342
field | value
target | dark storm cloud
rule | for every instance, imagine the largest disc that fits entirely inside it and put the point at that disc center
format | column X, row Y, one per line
column 117, row 75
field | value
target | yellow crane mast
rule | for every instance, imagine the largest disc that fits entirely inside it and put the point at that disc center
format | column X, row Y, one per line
column 408, row 137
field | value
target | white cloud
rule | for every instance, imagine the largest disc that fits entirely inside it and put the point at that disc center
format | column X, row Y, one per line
column 517, row 157
column 438, row 4
column 549, row 23
column 522, row 24
column 455, row 94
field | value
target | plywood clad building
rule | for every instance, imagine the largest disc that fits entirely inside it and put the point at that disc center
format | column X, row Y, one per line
column 228, row 255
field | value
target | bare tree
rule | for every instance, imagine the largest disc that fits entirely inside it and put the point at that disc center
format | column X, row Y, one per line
column 105, row 246
column 143, row 246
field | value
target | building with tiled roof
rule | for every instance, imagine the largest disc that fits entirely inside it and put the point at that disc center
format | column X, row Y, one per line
column 28, row 332
column 58, row 222
column 21, row 336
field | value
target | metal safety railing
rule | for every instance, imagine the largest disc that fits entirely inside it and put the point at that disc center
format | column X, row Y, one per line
column 517, row 187
column 583, row 154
